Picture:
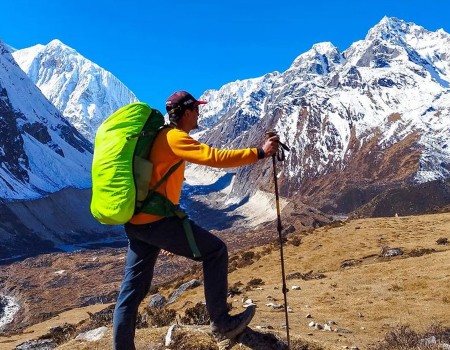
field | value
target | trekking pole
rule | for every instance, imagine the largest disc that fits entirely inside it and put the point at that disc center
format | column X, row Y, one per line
column 280, row 157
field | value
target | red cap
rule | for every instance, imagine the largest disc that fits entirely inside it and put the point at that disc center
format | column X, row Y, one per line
column 179, row 101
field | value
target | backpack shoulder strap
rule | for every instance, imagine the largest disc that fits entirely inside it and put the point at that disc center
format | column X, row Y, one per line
column 142, row 204
column 168, row 173
column 165, row 177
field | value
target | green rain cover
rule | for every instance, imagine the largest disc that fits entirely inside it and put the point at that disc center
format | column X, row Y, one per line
column 121, row 170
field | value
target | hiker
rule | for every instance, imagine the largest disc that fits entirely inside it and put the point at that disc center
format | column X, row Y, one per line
column 148, row 234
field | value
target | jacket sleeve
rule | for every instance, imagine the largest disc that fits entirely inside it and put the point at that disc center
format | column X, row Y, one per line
column 188, row 149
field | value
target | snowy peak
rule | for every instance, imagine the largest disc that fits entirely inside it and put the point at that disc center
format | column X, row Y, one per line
column 244, row 105
column 390, row 29
column 84, row 92
column 398, row 31
column 57, row 45
column 40, row 152
column 393, row 37
column 319, row 60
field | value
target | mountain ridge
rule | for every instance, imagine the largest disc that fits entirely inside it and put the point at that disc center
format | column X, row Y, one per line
column 337, row 111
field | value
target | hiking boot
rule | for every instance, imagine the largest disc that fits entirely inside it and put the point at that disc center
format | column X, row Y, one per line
column 233, row 326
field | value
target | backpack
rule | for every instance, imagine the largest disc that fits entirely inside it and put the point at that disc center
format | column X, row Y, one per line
column 121, row 170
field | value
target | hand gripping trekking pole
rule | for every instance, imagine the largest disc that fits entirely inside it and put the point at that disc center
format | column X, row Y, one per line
column 280, row 157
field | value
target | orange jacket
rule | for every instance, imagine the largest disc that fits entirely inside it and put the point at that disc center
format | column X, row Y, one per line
column 169, row 147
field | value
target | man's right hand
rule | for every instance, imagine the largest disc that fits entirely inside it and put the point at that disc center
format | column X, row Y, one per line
column 270, row 147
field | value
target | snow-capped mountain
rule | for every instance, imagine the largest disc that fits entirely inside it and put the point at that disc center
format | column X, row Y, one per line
column 360, row 122
column 40, row 151
column 85, row 93
column 374, row 115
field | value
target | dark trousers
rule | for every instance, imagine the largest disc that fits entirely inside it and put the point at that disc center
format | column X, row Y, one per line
column 145, row 242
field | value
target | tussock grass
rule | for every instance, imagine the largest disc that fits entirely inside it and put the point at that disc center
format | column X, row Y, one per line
column 405, row 338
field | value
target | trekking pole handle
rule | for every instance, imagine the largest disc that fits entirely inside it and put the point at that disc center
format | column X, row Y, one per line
column 280, row 155
column 273, row 133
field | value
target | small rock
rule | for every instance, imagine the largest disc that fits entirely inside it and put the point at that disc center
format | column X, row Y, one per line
column 264, row 327
column 442, row 241
column 327, row 327
column 184, row 287
column 44, row 344
column 389, row 252
column 247, row 300
column 296, row 288
column 224, row 344
column 92, row 335
column 312, row 324
column 275, row 306
column 308, row 316
column 168, row 338
column 157, row 301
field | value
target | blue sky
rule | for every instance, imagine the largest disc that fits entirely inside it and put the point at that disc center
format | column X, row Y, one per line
column 156, row 48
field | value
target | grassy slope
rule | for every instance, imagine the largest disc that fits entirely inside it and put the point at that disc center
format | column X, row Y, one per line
column 368, row 298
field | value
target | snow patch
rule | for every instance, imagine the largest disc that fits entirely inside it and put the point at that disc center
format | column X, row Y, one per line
column 260, row 208
column 8, row 308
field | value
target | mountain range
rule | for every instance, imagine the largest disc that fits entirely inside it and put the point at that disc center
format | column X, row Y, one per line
column 359, row 124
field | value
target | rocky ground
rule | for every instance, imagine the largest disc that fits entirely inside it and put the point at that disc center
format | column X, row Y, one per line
column 349, row 284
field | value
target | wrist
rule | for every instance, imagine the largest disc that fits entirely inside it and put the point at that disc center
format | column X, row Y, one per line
column 261, row 153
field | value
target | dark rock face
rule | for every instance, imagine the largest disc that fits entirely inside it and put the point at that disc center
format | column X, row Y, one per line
column 407, row 200
column 378, row 53
column 12, row 156
column 74, row 138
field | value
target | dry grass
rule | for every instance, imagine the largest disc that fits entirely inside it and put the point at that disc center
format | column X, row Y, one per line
column 405, row 338
column 370, row 302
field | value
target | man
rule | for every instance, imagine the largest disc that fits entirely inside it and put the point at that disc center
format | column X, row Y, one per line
column 149, row 233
